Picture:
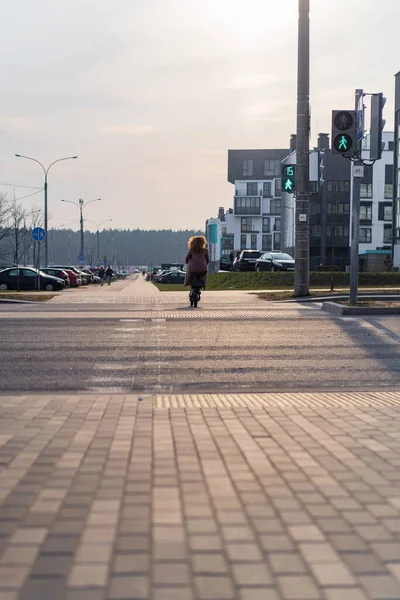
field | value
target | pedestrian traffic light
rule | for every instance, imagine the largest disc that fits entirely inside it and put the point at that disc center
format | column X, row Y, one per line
column 344, row 132
column 377, row 125
column 288, row 178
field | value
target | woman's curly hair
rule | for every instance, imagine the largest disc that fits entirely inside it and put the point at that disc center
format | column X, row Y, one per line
column 197, row 243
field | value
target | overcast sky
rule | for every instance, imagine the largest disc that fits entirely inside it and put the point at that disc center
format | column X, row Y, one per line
column 150, row 94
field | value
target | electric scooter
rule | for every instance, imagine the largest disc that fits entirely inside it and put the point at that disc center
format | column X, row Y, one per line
column 195, row 292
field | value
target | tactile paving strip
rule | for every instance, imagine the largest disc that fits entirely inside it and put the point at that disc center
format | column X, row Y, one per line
column 295, row 400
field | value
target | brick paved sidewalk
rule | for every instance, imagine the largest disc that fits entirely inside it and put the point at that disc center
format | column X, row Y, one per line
column 245, row 497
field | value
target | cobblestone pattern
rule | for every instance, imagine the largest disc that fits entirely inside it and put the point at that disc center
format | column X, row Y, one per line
column 251, row 497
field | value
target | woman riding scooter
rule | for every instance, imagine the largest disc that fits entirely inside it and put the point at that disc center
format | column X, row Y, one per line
column 197, row 260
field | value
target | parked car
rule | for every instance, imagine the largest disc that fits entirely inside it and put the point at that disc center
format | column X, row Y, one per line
column 75, row 270
column 172, row 277
column 247, row 260
column 26, row 278
column 89, row 275
column 60, row 273
column 157, row 276
column 224, row 263
column 275, row 261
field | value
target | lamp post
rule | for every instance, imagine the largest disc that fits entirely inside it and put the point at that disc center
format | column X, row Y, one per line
column 81, row 203
column 98, row 225
column 45, row 171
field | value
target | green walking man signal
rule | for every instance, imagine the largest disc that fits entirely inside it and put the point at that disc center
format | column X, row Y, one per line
column 344, row 132
column 289, row 178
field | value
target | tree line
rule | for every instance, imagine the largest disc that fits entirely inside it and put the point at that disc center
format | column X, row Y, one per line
column 118, row 247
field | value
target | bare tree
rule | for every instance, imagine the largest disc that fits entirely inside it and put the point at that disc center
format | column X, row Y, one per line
column 5, row 224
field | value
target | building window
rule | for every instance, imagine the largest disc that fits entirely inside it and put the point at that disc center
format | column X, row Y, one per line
column 277, row 224
column 389, row 173
column 338, row 186
column 245, row 205
column 267, row 189
column 224, row 231
column 366, row 190
column 253, row 241
column 315, row 209
column 340, row 208
column 227, row 244
column 388, row 191
column 252, row 189
column 366, row 183
column 337, row 231
column 246, row 224
column 331, row 208
column 278, row 187
column 391, row 146
column 247, row 168
column 243, row 242
column 271, row 168
column 316, row 230
column 275, row 207
column 266, row 224
column 366, row 212
column 387, row 234
column 277, row 241
column 267, row 242
column 343, row 208
column 365, row 235
column 313, row 187
column 385, row 211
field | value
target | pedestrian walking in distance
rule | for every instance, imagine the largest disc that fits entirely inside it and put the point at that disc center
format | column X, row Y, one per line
column 102, row 273
column 109, row 274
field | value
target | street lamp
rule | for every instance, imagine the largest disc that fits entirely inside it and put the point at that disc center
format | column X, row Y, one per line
column 80, row 205
column 98, row 225
column 45, row 171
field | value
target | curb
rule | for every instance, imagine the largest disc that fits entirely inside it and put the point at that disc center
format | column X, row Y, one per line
column 14, row 301
column 339, row 310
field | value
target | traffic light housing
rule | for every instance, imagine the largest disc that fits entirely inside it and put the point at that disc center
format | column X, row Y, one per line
column 377, row 125
column 288, row 179
column 344, row 132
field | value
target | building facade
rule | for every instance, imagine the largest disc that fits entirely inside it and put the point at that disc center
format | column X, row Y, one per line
column 256, row 176
column 263, row 217
column 396, row 176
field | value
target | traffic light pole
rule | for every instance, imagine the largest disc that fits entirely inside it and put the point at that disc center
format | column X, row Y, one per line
column 302, row 242
column 355, row 220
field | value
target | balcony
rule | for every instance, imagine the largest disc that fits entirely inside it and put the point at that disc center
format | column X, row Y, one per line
column 247, row 205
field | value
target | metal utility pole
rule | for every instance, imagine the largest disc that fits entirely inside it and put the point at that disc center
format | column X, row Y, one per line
column 98, row 225
column 81, row 204
column 82, row 249
column 356, row 175
column 302, row 243
column 45, row 171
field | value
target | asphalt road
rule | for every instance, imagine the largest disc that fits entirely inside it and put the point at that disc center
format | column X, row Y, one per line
column 282, row 351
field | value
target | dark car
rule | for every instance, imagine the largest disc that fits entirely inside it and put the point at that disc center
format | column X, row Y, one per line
column 60, row 273
column 225, row 263
column 275, row 261
column 247, row 260
column 172, row 277
column 25, row 278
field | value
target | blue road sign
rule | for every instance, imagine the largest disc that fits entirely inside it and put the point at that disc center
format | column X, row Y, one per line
column 80, row 257
column 38, row 234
